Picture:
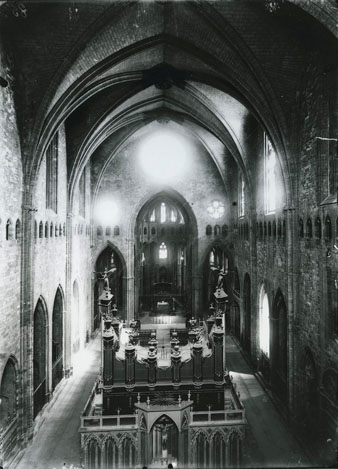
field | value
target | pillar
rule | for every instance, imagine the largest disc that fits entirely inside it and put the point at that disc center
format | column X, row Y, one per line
column 218, row 354
column 130, row 281
column 152, row 362
column 197, row 351
column 130, row 365
column 108, row 336
column 26, row 319
column 176, row 358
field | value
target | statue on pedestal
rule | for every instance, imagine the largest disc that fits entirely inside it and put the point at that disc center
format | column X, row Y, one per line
column 105, row 276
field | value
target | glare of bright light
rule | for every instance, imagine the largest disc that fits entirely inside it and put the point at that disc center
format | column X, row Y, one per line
column 164, row 156
column 106, row 212
column 264, row 327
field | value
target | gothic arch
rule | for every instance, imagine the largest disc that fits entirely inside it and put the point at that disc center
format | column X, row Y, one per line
column 278, row 346
column 218, row 445
column 57, row 337
column 40, row 356
column 9, row 391
column 103, row 258
column 110, row 452
column 59, row 112
column 187, row 287
column 93, row 452
column 209, row 273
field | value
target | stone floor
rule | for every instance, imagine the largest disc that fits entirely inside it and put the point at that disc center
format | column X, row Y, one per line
column 58, row 441
column 269, row 441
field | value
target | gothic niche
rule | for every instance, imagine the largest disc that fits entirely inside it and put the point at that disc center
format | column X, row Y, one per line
column 164, row 437
column 163, row 258
column 110, row 260
column 215, row 270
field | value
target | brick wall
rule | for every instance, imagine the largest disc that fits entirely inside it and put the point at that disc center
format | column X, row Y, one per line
column 10, row 209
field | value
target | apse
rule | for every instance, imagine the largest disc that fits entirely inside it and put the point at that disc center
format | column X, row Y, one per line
column 163, row 256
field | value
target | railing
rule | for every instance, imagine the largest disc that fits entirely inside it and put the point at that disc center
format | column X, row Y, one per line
column 109, row 421
column 90, row 399
column 229, row 416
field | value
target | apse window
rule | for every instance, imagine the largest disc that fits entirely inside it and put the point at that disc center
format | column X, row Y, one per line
column 216, row 209
column 82, row 194
column 173, row 216
column 212, row 258
column 241, row 196
column 52, row 173
column 264, row 323
column 152, row 216
column 270, row 159
column 163, row 252
column 163, row 213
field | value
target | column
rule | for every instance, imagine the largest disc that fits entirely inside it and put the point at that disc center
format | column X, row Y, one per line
column 120, row 454
column 292, row 300
column 176, row 357
column 218, row 354
column 211, row 449
column 227, row 453
column 130, row 281
column 197, row 351
column 152, row 362
column 130, row 365
column 108, row 354
column 68, row 296
column 26, row 318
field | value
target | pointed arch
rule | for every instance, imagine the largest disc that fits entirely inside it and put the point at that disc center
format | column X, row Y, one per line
column 164, row 436
column 18, row 230
column 57, row 337
column 110, row 451
column 8, row 392
column 106, row 256
column 174, row 254
column 40, row 356
column 279, row 349
column 264, row 321
column 218, row 449
column 93, row 452
column 328, row 229
column 235, row 451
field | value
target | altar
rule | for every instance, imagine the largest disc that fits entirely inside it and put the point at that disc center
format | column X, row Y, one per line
column 162, row 307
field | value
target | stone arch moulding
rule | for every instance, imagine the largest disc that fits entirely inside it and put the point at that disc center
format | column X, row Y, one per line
column 154, row 416
column 225, row 245
column 125, row 274
column 67, row 100
column 138, row 121
column 188, row 213
column 96, row 254
column 58, row 336
column 41, row 355
column 4, row 359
